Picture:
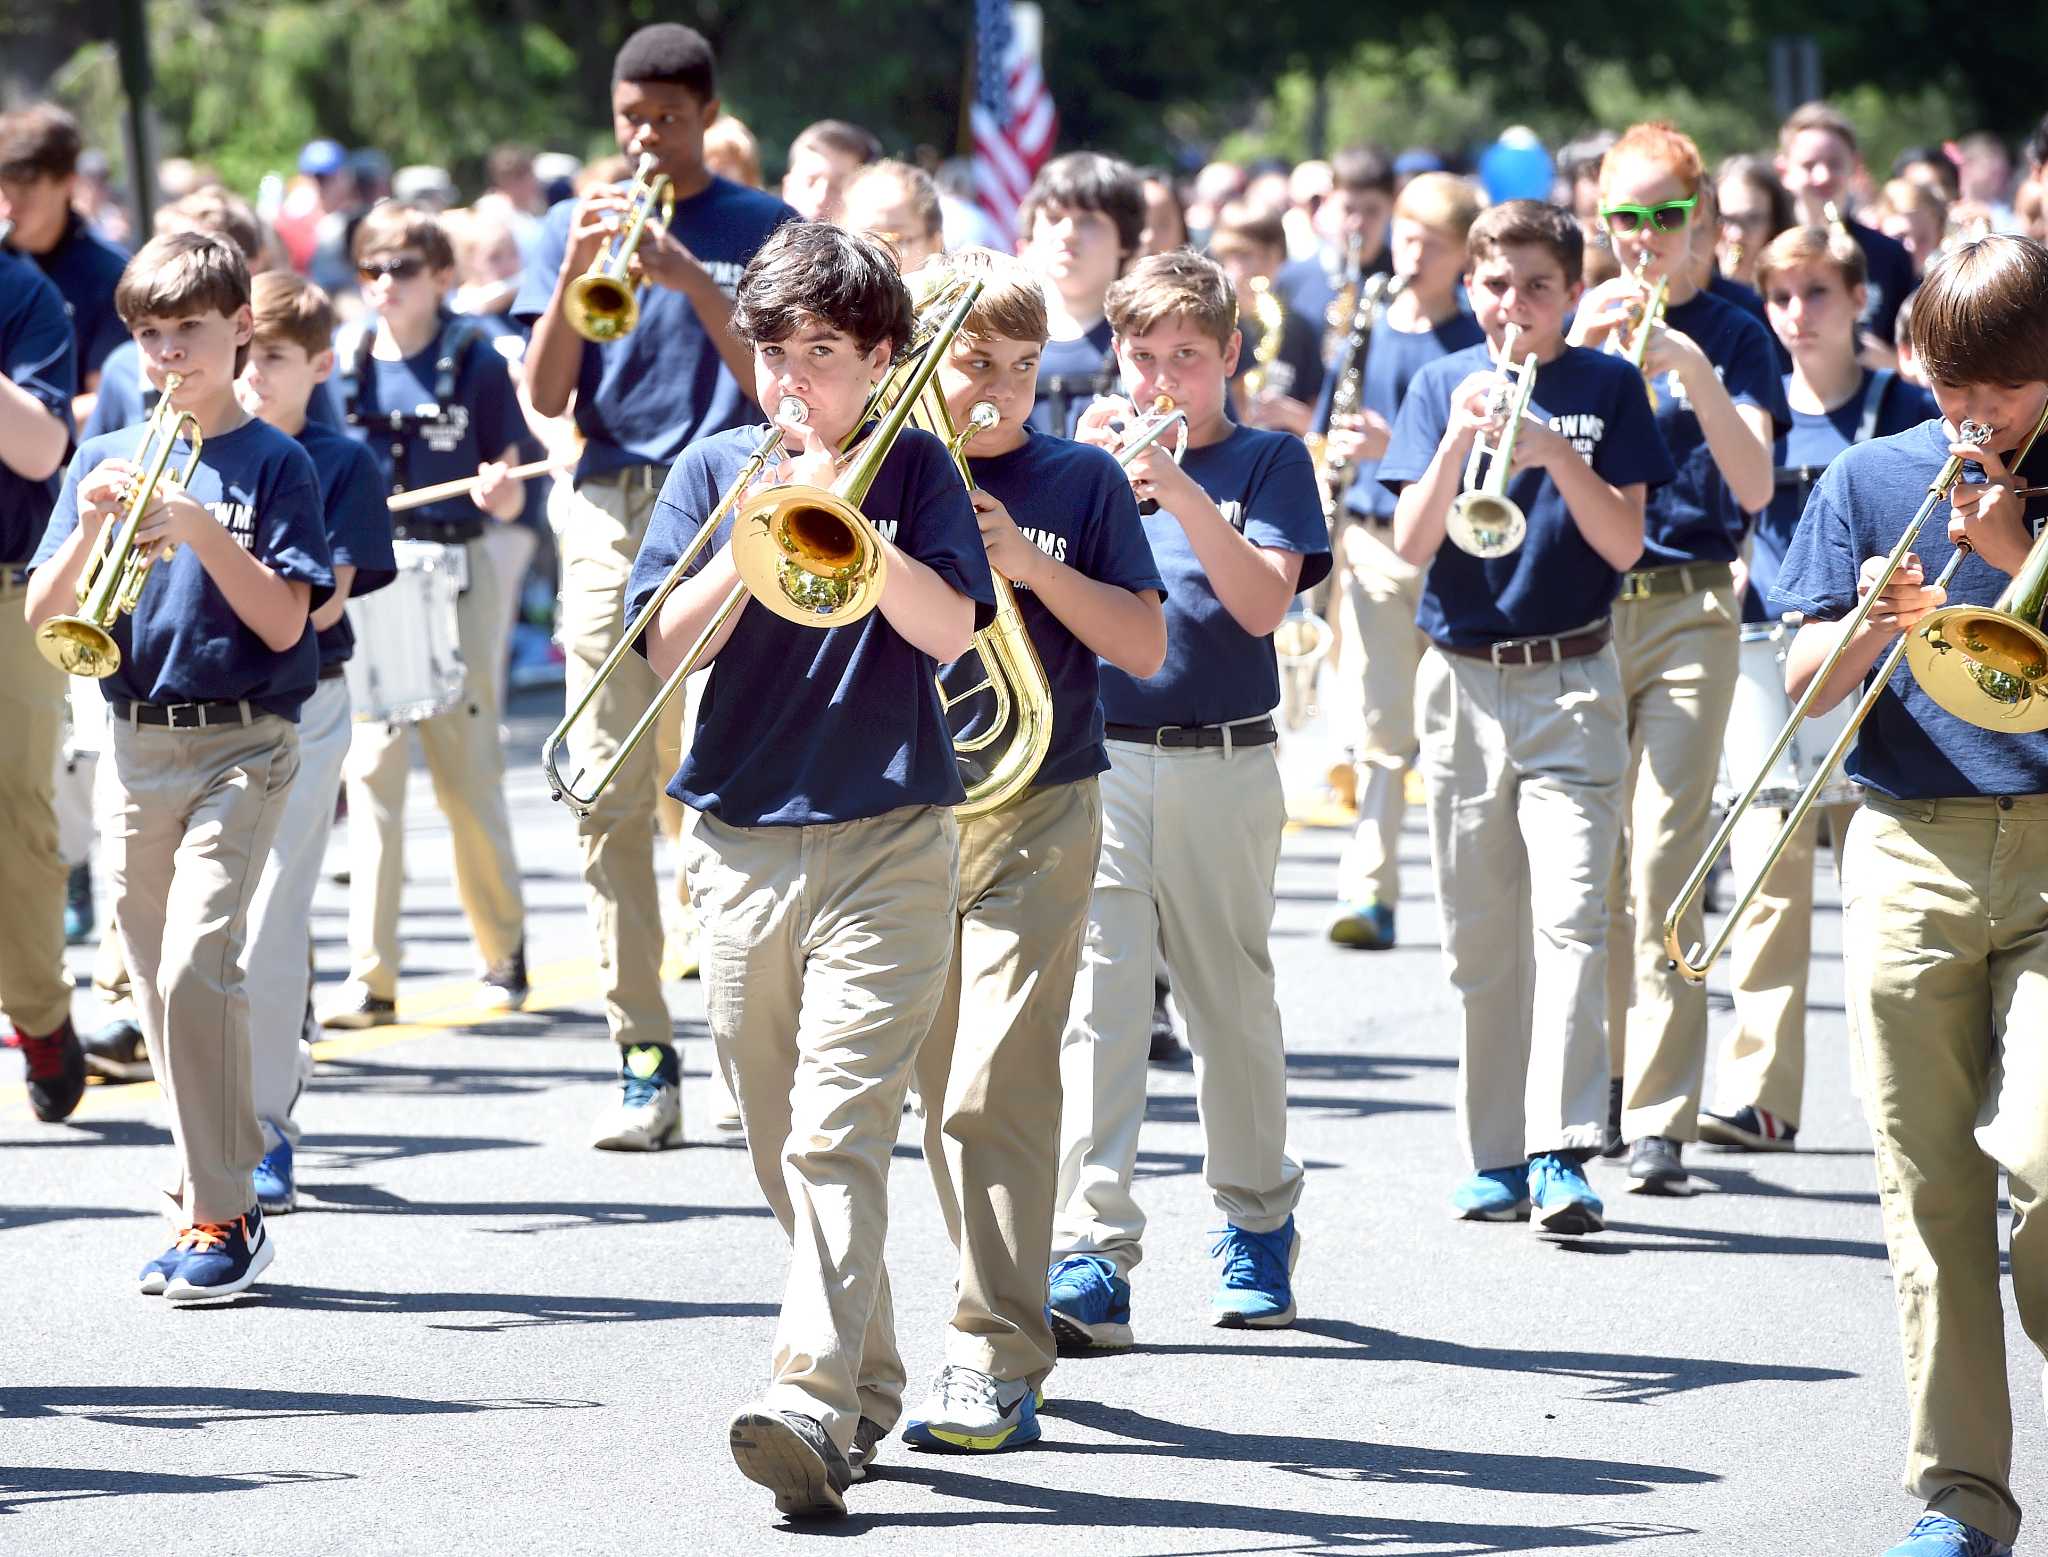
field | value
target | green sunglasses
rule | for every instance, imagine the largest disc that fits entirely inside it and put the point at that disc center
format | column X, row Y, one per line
column 1668, row 217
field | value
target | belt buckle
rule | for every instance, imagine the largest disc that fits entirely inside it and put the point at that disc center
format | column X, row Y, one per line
column 176, row 714
column 1159, row 736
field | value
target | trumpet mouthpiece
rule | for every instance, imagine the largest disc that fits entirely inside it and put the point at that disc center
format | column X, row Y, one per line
column 1161, row 404
column 1974, row 432
column 792, row 411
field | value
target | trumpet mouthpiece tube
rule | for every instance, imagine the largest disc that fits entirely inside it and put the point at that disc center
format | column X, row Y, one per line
column 791, row 411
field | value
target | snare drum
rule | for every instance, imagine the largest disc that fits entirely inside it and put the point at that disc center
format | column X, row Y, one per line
column 1760, row 710
column 407, row 664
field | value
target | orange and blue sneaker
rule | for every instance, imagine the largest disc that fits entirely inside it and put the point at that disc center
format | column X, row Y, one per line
column 219, row 1259
column 975, row 1411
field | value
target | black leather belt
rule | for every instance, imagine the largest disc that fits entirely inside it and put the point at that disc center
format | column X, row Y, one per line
column 451, row 532
column 1181, row 737
column 332, row 672
column 628, row 477
column 184, row 716
column 1533, row 651
column 1680, row 578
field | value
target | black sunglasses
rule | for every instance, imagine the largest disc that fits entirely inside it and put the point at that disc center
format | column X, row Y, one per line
column 404, row 268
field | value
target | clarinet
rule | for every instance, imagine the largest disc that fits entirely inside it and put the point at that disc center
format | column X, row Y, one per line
column 1347, row 395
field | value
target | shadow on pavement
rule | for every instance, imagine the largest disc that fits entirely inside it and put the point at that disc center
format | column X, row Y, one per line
column 569, row 1213
column 13, row 1217
column 95, row 1132
column 22, row 1489
column 1617, row 1376
column 193, row 1407
column 521, row 1310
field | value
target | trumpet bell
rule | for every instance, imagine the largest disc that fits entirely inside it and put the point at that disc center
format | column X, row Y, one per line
column 1302, row 639
column 78, row 647
column 808, row 556
column 599, row 308
column 1985, row 666
column 1485, row 525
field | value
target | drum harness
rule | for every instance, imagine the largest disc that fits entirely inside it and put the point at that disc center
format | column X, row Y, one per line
column 441, row 423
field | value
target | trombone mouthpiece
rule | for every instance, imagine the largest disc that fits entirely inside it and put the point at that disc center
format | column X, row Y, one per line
column 982, row 415
column 1974, row 432
column 792, row 411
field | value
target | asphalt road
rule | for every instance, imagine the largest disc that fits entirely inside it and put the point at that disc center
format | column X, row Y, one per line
column 479, row 1335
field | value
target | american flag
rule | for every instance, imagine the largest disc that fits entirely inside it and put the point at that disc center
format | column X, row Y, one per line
column 1012, row 119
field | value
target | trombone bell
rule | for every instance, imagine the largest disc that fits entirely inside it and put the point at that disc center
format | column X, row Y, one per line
column 808, row 556
column 1984, row 666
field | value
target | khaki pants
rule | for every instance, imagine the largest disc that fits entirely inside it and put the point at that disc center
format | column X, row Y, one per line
column 1380, row 651
column 825, row 955
column 598, row 530
column 1524, row 768
column 35, row 991
column 989, row 1069
column 1763, row 1062
column 1190, row 842
column 467, row 764
column 281, row 914
column 1945, row 931
column 197, row 812
column 509, row 548
column 1678, row 657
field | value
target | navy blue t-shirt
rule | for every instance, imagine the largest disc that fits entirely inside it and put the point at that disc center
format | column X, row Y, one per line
column 87, row 269
column 802, row 725
column 643, row 399
column 509, row 339
column 1297, row 366
column 1070, row 375
column 1695, row 519
column 126, row 397
column 1554, row 581
column 1074, row 504
column 184, row 643
column 1391, row 362
column 1802, row 453
column 1746, row 298
column 482, row 423
column 352, row 497
column 1909, row 747
column 39, row 356
column 1215, row 671
column 1891, row 280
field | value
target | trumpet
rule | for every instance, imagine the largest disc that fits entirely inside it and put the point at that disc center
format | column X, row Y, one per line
column 1484, row 521
column 1163, row 418
column 1648, row 312
column 603, row 303
column 806, row 553
column 1693, row 964
column 110, row 583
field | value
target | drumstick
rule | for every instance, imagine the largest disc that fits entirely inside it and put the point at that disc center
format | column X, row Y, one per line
column 419, row 497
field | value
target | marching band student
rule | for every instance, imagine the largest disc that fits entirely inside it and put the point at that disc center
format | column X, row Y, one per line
column 1819, row 162
column 1192, row 818
column 216, row 661
column 1523, row 741
column 1909, row 360
column 38, row 374
column 1676, row 625
column 1251, row 245
column 1352, row 222
column 432, row 401
column 898, row 203
column 638, row 402
column 1060, row 523
column 1081, row 223
column 1945, row 930
column 1380, row 591
column 822, row 863
column 821, row 160
column 290, row 357
column 1813, row 286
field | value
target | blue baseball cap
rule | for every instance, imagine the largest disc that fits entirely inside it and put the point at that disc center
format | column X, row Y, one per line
column 319, row 158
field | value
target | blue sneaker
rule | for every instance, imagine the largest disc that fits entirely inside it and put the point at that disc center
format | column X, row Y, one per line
column 276, row 1190
column 1088, row 1305
column 969, row 1409
column 1937, row 1535
column 1494, row 1195
column 156, row 1275
column 1367, row 926
column 1564, row 1201
column 1258, row 1268
column 220, row 1258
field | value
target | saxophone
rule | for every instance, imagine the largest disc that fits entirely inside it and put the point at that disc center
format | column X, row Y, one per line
column 1272, row 317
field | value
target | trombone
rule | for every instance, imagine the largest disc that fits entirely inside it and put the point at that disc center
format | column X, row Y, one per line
column 1693, row 964
column 110, row 583
column 1484, row 522
column 806, row 553
column 603, row 303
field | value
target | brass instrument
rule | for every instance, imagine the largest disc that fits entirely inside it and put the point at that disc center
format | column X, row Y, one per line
column 1988, row 665
column 110, row 583
column 1271, row 314
column 1341, row 317
column 1163, row 418
column 1484, row 521
column 806, row 553
column 1649, row 311
column 603, row 303
column 1693, row 964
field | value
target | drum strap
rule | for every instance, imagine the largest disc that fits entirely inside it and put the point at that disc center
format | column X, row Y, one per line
column 451, row 351
column 1804, row 476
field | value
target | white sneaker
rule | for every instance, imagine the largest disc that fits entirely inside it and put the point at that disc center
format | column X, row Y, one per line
column 648, row 1118
column 969, row 1409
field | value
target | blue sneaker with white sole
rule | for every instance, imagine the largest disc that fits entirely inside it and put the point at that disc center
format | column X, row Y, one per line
column 1088, row 1305
column 220, row 1258
column 1562, row 1199
column 1937, row 1535
column 277, row 1190
column 975, row 1411
column 1493, row 1195
column 1258, row 1277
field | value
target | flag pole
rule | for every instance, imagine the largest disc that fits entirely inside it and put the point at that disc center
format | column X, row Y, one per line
column 963, row 135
